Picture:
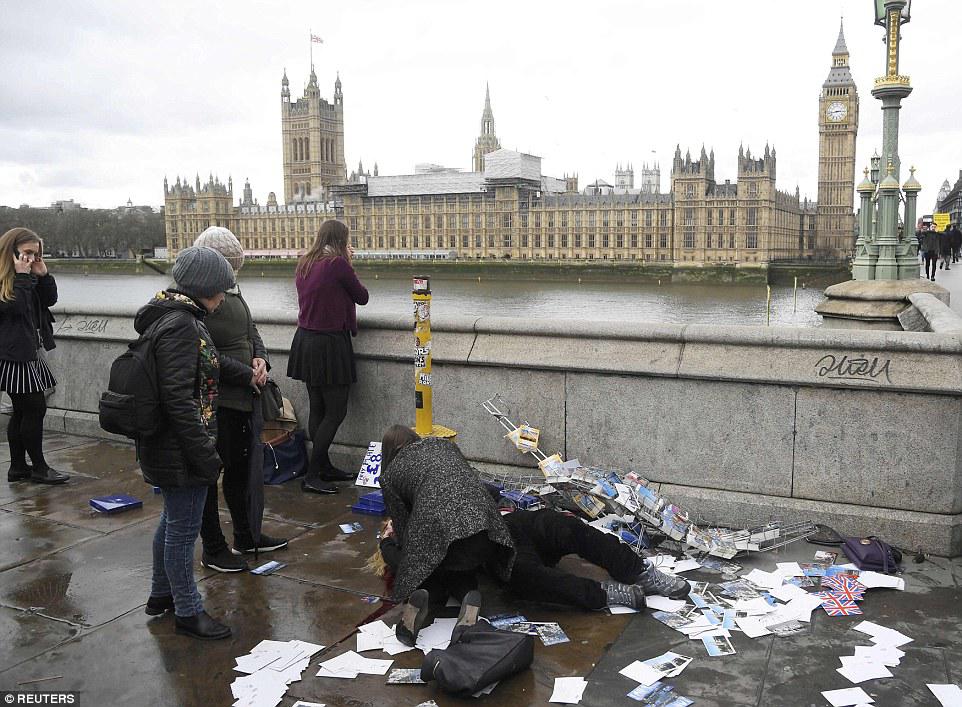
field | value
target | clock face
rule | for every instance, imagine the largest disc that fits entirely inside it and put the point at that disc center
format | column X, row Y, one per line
column 836, row 112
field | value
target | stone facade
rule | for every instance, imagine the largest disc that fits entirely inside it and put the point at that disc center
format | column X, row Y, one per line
column 520, row 213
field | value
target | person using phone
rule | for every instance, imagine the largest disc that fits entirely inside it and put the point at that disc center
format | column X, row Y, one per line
column 27, row 291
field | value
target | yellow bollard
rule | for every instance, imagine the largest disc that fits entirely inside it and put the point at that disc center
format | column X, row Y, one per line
column 424, row 413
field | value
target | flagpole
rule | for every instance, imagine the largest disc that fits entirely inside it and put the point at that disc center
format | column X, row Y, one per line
column 310, row 40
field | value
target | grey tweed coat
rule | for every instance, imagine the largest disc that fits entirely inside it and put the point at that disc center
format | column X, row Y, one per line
column 435, row 497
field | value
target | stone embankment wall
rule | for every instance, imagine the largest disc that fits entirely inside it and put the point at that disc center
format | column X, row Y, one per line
column 859, row 430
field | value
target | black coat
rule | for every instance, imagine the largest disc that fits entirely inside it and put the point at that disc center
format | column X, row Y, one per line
column 184, row 452
column 25, row 315
column 435, row 497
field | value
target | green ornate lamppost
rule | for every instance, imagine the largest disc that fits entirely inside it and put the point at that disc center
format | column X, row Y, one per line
column 882, row 252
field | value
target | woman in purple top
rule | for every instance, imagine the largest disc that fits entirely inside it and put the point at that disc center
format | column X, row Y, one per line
column 321, row 353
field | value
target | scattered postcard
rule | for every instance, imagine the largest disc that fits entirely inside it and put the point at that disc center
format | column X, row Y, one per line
column 618, row 609
column 522, row 627
column 271, row 667
column 503, row 620
column 886, row 655
column 787, row 592
column 712, row 564
column 789, row 569
column 740, row 589
column 825, row 559
column 752, row 628
column 848, row 697
column 718, row 645
column 568, row 690
column 765, row 580
column 350, row 527
column 685, row 566
column 658, row 695
column 269, row 567
column 947, row 695
column 642, row 673
column 801, row 581
column 405, row 676
column 859, row 671
column 436, row 635
column 882, row 635
column 349, row 665
column 787, row 628
column 871, row 580
column 302, row 703
column 551, row 634
column 698, row 587
column 670, row 664
column 657, row 602
column 672, row 620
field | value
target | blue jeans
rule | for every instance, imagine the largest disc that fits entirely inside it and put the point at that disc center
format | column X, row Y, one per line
column 174, row 548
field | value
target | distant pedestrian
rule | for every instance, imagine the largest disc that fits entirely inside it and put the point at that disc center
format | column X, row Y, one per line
column 956, row 238
column 27, row 291
column 182, row 458
column 930, row 249
column 238, row 414
column 945, row 249
column 322, row 354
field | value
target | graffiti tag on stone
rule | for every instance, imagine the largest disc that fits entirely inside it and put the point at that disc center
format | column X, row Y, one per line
column 84, row 326
column 859, row 368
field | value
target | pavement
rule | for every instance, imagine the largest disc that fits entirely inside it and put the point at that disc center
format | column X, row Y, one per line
column 952, row 281
column 73, row 584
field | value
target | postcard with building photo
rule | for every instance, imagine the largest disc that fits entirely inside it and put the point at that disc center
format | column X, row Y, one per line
column 552, row 634
column 675, row 621
column 718, row 645
column 405, row 676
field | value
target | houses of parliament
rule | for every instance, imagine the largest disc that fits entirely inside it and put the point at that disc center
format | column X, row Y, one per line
column 506, row 208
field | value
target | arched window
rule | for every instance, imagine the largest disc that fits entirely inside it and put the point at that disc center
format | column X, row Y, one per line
column 308, row 188
column 307, row 149
column 293, row 149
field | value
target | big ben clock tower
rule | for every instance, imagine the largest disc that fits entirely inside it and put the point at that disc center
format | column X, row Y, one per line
column 837, row 128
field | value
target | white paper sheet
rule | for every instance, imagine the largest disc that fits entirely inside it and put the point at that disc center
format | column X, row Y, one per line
column 947, row 695
column 765, row 580
column 886, row 655
column 883, row 635
column 618, row 609
column 789, row 569
column 751, row 627
column 642, row 673
column 860, row 672
column 872, row 580
column 685, row 566
column 787, row 592
column 660, row 603
column 848, row 697
column 568, row 690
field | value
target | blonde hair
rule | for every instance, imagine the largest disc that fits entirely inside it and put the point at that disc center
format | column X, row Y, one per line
column 10, row 243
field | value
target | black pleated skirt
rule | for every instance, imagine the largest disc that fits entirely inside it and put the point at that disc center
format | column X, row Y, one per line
column 26, row 376
column 322, row 358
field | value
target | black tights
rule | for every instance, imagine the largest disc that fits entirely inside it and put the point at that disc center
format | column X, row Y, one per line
column 328, row 409
column 25, row 430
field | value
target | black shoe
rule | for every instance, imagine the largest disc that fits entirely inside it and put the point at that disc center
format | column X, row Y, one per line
column 318, row 486
column 470, row 609
column 158, row 605
column 414, row 617
column 202, row 626
column 224, row 561
column 48, row 476
column 335, row 474
column 19, row 473
column 265, row 544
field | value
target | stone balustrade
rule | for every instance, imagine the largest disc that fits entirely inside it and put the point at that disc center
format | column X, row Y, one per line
column 856, row 429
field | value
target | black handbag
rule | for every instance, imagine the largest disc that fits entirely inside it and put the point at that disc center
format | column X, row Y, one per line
column 477, row 656
column 872, row 554
column 272, row 401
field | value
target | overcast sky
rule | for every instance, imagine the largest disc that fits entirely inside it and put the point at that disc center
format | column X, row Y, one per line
column 100, row 100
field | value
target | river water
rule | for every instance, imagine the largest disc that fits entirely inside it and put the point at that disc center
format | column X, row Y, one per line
column 674, row 303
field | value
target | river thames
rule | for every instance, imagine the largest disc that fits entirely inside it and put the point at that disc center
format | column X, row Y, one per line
column 634, row 302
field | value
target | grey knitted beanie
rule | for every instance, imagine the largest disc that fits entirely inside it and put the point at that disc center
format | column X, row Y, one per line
column 225, row 243
column 202, row 272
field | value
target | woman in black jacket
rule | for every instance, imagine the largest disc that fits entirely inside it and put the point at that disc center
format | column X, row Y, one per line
column 182, row 458
column 27, row 291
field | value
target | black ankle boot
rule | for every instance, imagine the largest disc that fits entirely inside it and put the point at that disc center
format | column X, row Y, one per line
column 48, row 476
column 202, row 626
column 158, row 605
column 19, row 473
column 414, row 617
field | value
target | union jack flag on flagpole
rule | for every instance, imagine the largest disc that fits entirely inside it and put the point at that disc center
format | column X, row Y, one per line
column 316, row 40
column 837, row 605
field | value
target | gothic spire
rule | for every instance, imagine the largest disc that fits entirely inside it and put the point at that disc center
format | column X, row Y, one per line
column 840, row 46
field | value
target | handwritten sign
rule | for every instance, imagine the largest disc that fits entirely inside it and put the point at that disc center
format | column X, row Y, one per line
column 370, row 473
column 855, row 368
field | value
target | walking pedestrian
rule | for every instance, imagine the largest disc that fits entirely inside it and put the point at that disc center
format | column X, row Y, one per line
column 956, row 238
column 182, row 458
column 930, row 249
column 322, row 355
column 27, row 291
column 945, row 249
column 235, row 336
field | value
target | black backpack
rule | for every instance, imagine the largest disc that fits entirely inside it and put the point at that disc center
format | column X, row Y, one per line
column 131, row 404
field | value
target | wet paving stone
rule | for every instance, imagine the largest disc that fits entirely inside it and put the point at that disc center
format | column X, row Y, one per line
column 25, row 538
column 25, row 636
